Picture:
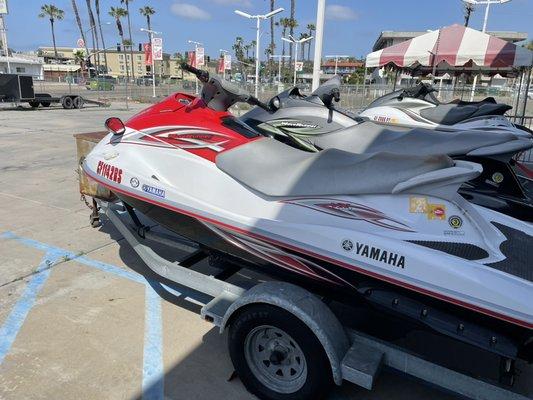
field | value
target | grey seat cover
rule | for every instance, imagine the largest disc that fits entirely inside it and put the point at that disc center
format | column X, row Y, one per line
column 275, row 169
column 448, row 114
column 369, row 137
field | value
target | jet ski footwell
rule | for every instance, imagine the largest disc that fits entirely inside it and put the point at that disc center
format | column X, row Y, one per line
column 354, row 356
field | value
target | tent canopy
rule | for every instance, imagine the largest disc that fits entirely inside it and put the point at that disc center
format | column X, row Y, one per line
column 457, row 46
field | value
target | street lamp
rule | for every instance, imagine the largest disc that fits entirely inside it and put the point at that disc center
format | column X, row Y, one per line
column 151, row 33
column 196, row 44
column 488, row 3
column 296, row 43
column 336, row 57
column 224, row 52
column 258, row 19
column 279, row 57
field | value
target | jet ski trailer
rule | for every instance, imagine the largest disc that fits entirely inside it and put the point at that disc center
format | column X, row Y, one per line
column 352, row 355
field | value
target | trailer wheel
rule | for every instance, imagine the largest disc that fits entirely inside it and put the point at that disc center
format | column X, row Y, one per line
column 67, row 102
column 277, row 356
column 34, row 104
column 45, row 103
column 78, row 102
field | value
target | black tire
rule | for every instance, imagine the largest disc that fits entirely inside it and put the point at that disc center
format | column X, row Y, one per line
column 318, row 377
column 34, row 104
column 45, row 103
column 78, row 102
column 67, row 102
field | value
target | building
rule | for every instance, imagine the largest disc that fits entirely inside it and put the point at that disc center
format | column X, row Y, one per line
column 22, row 64
column 116, row 62
column 344, row 68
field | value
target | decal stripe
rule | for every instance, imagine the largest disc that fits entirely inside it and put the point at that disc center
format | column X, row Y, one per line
column 360, row 270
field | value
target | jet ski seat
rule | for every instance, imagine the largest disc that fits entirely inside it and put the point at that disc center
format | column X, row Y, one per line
column 275, row 169
column 450, row 114
column 369, row 137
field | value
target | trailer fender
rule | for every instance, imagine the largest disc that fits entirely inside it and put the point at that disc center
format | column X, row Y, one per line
column 305, row 306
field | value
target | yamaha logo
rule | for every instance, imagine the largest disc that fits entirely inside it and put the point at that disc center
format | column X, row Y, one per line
column 455, row 221
column 347, row 245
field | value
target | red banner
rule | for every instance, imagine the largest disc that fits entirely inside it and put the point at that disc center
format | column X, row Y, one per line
column 220, row 68
column 147, row 53
column 192, row 58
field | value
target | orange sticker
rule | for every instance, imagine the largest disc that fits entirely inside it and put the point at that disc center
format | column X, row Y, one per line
column 436, row 211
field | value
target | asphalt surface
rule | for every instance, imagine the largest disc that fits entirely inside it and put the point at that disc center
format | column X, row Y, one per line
column 80, row 315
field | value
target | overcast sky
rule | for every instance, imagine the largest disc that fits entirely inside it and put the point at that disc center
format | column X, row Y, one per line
column 351, row 26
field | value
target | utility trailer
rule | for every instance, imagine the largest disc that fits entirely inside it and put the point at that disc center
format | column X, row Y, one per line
column 19, row 89
column 281, row 334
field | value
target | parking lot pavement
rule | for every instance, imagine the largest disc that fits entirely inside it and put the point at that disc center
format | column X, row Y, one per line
column 80, row 316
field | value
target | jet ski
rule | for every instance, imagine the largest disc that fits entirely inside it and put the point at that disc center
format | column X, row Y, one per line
column 418, row 107
column 315, row 123
column 385, row 228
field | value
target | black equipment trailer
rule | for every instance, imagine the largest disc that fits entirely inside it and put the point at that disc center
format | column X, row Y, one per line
column 19, row 89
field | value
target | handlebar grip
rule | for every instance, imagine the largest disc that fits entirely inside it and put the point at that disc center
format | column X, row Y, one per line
column 201, row 75
column 256, row 102
column 336, row 95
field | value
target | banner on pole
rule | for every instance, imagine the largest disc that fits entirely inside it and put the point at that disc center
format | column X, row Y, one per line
column 227, row 61
column 157, row 48
column 191, row 58
column 200, row 62
column 147, row 53
column 3, row 7
column 220, row 66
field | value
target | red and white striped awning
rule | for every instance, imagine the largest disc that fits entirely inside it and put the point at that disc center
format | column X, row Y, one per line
column 456, row 45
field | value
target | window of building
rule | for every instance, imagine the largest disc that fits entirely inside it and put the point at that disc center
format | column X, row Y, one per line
column 21, row 70
column 139, row 58
column 122, row 68
column 121, row 57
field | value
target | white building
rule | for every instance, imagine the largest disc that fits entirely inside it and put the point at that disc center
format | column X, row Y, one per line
column 23, row 65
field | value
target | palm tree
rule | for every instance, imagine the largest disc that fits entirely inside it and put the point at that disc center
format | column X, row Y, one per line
column 79, row 57
column 127, row 2
column 468, row 8
column 52, row 13
column 117, row 13
column 94, row 32
column 302, row 49
column 311, row 28
column 253, row 44
column 78, row 21
column 97, row 7
column 284, row 22
column 247, row 48
column 272, row 45
column 292, row 25
column 147, row 12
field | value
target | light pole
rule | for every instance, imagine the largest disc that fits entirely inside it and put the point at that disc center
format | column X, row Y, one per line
column 224, row 52
column 3, row 39
column 258, row 19
column 319, row 33
column 151, row 33
column 279, row 57
column 336, row 57
column 196, row 44
column 296, row 43
column 92, row 28
column 488, row 3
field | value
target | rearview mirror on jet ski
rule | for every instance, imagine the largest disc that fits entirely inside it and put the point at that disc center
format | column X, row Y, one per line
column 115, row 125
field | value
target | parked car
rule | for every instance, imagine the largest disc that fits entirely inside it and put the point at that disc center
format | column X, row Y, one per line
column 530, row 93
column 102, row 82
column 147, row 80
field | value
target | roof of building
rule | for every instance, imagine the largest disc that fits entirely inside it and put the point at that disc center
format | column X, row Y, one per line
column 341, row 64
column 510, row 36
column 20, row 60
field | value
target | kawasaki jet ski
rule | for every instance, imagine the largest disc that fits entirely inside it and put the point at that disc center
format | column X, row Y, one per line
column 315, row 123
column 418, row 107
column 384, row 228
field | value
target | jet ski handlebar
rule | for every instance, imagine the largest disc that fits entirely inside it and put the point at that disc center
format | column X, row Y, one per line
column 220, row 94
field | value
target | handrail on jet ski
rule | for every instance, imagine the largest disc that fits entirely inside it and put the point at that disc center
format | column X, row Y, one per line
column 220, row 94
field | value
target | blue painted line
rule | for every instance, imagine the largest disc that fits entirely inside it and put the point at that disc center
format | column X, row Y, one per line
column 153, row 371
column 14, row 321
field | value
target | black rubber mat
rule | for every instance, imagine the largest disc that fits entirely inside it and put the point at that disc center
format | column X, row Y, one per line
column 518, row 248
column 463, row 250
